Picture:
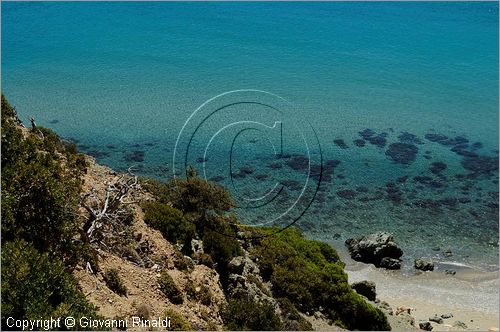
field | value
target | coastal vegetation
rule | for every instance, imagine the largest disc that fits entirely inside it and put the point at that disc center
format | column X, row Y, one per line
column 272, row 279
column 41, row 183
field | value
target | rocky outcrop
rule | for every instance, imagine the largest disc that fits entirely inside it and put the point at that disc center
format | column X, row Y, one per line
column 365, row 288
column 424, row 265
column 378, row 249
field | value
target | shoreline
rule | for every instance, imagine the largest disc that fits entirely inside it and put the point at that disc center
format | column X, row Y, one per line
column 471, row 295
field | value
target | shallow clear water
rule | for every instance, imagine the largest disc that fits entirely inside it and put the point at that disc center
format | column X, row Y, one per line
column 121, row 79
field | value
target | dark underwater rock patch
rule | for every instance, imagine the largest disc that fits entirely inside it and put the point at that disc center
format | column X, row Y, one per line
column 54, row 121
column 340, row 143
column 135, row 156
column 347, row 194
column 359, row 142
column 298, row 163
column 374, row 138
column 261, row 177
column 362, row 189
column 246, row 170
column 97, row 153
column 409, row 138
column 402, row 153
column 393, row 192
column 274, row 165
column 428, row 181
column 217, row 178
column 437, row 167
column 291, row 184
column 402, row 179
column 480, row 164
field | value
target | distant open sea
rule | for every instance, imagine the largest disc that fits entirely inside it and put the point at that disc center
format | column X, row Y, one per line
column 403, row 98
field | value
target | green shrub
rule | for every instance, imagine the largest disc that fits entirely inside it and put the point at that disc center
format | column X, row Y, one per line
column 177, row 322
column 170, row 222
column 41, row 183
column 246, row 315
column 143, row 312
column 114, row 282
column 36, row 286
column 292, row 320
column 311, row 275
column 169, row 288
column 203, row 295
column 199, row 196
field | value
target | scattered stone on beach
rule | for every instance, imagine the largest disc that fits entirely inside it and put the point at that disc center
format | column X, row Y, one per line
column 374, row 249
column 409, row 138
column 450, row 272
column 359, row 142
column 402, row 153
column 460, row 324
column 437, row 167
column 436, row 319
column 447, row 315
column 390, row 263
column 425, row 325
column 340, row 143
column 347, row 194
column 365, row 288
column 423, row 265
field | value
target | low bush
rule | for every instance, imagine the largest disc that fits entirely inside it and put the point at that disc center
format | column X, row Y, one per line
column 114, row 282
column 245, row 315
column 177, row 321
column 292, row 320
column 36, row 286
column 170, row 222
column 169, row 288
column 311, row 275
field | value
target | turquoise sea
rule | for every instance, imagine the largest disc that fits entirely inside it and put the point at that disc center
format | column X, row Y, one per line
column 402, row 98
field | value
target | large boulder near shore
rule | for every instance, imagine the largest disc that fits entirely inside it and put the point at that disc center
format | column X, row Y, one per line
column 365, row 288
column 374, row 248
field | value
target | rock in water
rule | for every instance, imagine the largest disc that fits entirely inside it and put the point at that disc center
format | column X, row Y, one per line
column 425, row 325
column 365, row 288
column 374, row 248
column 423, row 265
column 436, row 319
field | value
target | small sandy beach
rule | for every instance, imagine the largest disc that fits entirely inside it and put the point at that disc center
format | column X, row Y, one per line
column 470, row 295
